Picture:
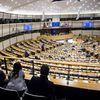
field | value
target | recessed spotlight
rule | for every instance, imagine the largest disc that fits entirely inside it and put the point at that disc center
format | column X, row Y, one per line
column 95, row 5
column 16, row 2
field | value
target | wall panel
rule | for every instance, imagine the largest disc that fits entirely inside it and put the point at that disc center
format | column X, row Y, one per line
column 87, row 32
column 0, row 30
column 35, row 35
column 27, row 36
column 12, row 28
column 5, row 29
column 20, row 38
column 77, row 31
column 6, row 43
column 1, row 14
column 97, row 23
column 77, row 24
column 13, row 40
column 96, row 32
column 1, row 46
column 36, row 25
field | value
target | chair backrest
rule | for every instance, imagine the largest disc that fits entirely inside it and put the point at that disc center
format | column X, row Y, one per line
column 28, row 96
column 8, row 94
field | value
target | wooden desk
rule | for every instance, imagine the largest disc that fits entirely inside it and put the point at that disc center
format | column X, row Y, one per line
column 71, row 63
column 83, row 84
column 77, row 83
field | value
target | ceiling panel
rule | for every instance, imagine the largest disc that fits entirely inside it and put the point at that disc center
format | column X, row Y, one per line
column 47, row 7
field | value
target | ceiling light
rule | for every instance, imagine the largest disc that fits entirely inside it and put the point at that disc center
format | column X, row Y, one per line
column 19, row 4
column 88, row 6
column 67, row 3
column 83, row 4
column 16, row 2
column 85, row 1
column 27, row 0
column 95, row 5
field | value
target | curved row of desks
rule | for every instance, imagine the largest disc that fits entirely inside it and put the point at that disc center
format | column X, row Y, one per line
column 78, row 83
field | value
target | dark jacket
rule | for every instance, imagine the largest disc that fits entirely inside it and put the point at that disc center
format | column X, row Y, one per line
column 2, row 78
column 41, row 86
column 26, row 54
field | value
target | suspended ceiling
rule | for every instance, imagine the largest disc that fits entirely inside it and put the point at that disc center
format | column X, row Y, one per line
column 39, row 7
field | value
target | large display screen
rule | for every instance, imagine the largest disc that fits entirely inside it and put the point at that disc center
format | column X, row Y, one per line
column 28, row 27
column 87, row 24
column 55, row 24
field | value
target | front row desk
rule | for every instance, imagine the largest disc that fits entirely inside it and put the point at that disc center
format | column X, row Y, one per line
column 72, row 80
column 76, row 88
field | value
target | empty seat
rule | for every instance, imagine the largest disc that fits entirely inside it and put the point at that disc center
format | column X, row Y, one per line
column 8, row 94
column 28, row 96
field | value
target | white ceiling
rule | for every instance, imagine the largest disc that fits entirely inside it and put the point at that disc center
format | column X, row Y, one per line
column 39, row 7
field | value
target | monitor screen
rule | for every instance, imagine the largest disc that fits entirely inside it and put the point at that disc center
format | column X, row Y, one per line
column 87, row 24
column 55, row 24
column 28, row 27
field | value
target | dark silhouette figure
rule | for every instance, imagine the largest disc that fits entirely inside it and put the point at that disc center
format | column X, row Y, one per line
column 41, row 85
column 26, row 53
column 2, row 77
column 42, row 47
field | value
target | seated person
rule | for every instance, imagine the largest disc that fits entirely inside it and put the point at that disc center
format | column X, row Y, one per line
column 41, row 85
column 26, row 54
column 16, row 79
column 42, row 47
column 2, row 77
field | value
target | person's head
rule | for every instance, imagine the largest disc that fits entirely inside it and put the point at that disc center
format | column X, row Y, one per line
column 44, row 70
column 17, row 66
